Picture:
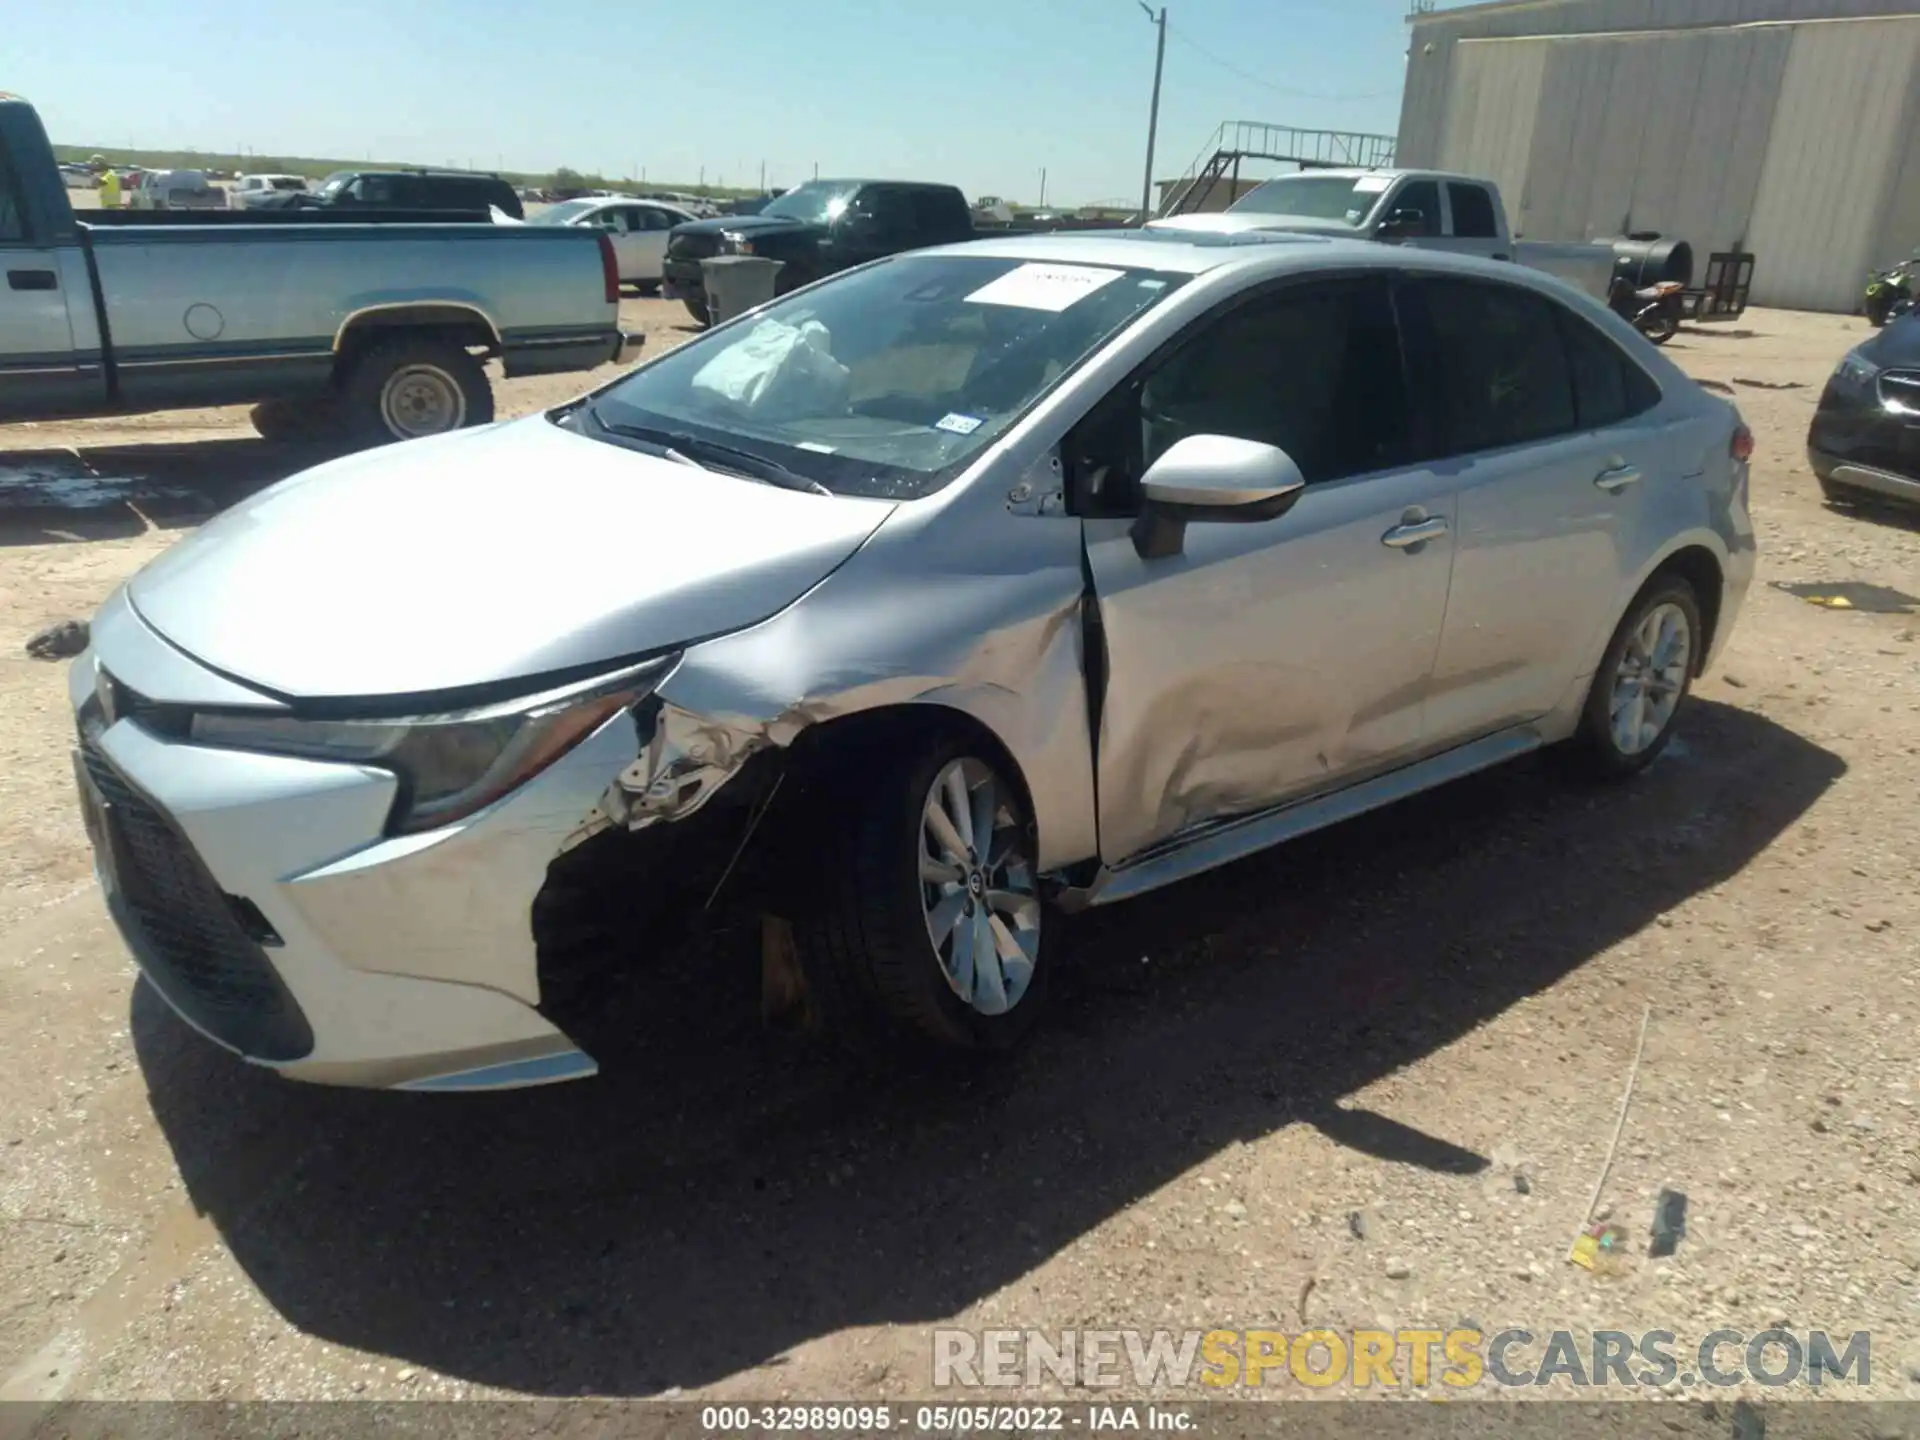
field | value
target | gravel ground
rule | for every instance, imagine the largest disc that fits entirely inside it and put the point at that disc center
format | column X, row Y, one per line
column 1367, row 1081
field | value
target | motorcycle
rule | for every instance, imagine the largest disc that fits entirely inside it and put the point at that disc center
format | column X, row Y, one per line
column 1653, row 310
column 1890, row 293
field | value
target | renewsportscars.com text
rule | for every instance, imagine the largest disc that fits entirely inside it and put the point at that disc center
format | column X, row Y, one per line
column 1457, row 1359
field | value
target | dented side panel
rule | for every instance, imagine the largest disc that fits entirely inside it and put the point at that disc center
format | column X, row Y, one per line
column 966, row 605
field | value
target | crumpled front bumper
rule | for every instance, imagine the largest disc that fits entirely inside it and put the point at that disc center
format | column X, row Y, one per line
column 409, row 961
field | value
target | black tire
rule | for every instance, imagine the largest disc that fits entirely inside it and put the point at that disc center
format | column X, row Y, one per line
column 871, row 966
column 1838, row 494
column 297, row 421
column 1660, row 329
column 698, row 310
column 363, row 391
column 1594, row 748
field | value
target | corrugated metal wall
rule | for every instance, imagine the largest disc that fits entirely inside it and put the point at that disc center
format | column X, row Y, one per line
column 1836, row 145
column 1491, row 109
column 1423, row 105
column 1798, row 140
column 1650, row 133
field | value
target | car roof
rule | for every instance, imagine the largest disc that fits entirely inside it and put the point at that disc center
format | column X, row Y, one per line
column 1194, row 252
column 1183, row 251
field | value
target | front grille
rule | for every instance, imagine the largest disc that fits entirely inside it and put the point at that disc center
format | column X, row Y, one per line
column 190, row 936
column 1901, row 388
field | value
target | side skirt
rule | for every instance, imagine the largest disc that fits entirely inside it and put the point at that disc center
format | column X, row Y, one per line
column 1227, row 841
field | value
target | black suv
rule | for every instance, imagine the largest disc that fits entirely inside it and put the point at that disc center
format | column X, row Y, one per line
column 816, row 229
column 412, row 190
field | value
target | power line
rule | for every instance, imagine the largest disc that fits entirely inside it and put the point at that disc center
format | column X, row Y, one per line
column 1287, row 90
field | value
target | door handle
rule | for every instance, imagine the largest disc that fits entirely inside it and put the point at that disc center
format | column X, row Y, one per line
column 1417, row 532
column 1617, row 478
column 32, row 280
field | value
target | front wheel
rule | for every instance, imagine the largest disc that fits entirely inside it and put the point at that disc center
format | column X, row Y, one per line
column 927, row 922
column 1642, row 681
column 408, row 388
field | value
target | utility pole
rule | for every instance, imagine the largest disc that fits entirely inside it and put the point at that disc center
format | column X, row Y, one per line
column 1153, row 114
column 816, row 169
column 763, row 177
column 1043, row 187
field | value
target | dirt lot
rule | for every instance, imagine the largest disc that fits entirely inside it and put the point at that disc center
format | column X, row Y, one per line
column 1423, row 1020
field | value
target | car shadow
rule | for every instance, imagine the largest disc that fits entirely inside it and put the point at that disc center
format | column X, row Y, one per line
column 1890, row 513
column 724, row 1194
column 109, row 492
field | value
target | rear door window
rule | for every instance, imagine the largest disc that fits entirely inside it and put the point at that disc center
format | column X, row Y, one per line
column 1493, row 362
column 13, row 215
column 940, row 215
column 1473, row 213
column 1607, row 386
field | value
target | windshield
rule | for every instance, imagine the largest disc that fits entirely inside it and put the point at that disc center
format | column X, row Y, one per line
column 335, row 182
column 1343, row 198
column 288, row 182
column 818, row 202
column 560, row 214
column 885, row 382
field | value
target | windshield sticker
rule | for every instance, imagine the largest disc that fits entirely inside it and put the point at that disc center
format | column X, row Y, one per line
column 1044, row 287
column 959, row 424
column 1371, row 184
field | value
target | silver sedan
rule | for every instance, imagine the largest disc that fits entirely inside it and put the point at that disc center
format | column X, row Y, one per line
column 945, row 593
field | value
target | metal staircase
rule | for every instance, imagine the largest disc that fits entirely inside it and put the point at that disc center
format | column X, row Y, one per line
column 1236, row 140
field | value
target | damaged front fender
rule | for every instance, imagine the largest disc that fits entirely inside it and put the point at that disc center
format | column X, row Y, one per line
column 684, row 759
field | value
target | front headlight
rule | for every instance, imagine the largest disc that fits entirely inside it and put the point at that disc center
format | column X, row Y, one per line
column 1856, row 372
column 449, row 765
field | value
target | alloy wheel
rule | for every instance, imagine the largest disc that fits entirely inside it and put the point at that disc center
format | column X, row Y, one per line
column 1650, row 679
column 978, row 887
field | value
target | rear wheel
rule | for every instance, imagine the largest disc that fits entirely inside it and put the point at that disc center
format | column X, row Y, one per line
column 698, row 310
column 927, row 926
column 1642, row 681
column 1659, row 328
column 408, row 388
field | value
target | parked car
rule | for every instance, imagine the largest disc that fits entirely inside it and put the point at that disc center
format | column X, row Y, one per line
column 1865, row 441
column 1289, row 533
column 816, row 229
column 174, row 190
column 247, row 191
column 379, row 329
column 1425, row 209
column 78, row 177
column 455, row 191
column 638, row 229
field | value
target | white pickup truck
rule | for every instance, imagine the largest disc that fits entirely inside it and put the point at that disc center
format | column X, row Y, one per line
column 1427, row 208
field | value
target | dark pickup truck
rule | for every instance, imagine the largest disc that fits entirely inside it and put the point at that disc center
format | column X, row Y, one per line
column 816, row 229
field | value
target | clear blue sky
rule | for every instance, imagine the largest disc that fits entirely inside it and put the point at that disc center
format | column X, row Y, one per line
column 980, row 92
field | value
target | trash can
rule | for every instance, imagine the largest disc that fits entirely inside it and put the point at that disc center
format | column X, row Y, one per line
column 737, row 283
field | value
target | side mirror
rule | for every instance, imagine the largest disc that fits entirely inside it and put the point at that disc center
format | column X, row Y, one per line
column 1212, row 478
column 1402, row 225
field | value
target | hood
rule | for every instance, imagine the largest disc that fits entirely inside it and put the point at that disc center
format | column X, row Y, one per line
column 742, row 225
column 1898, row 346
column 486, row 556
column 1239, row 222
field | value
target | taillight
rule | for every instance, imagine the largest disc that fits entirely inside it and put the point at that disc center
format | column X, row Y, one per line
column 1741, row 447
column 609, row 268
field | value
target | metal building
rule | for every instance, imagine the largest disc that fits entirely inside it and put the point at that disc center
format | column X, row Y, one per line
column 1790, row 128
